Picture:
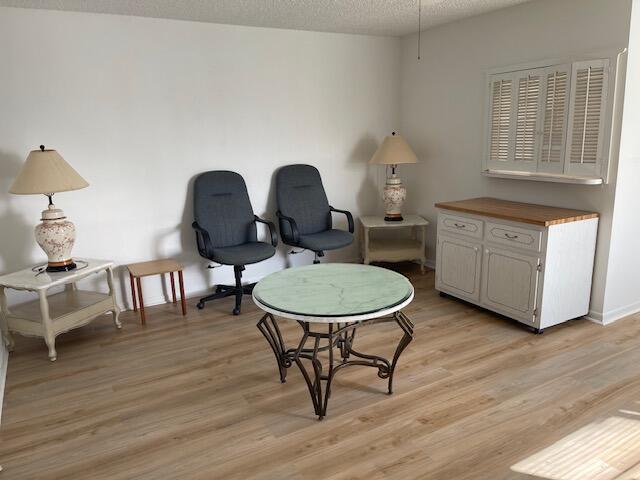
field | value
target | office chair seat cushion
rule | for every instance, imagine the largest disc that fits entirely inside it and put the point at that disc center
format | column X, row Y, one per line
column 251, row 252
column 327, row 240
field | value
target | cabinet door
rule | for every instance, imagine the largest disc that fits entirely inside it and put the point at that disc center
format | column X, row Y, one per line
column 458, row 266
column 509, row 283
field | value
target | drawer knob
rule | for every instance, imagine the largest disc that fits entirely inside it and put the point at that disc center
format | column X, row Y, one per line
column 510, row 237
column 459, row 225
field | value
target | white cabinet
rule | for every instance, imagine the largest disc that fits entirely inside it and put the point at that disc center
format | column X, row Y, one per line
column 459, row 266
column 528, row 262
column 510, row 282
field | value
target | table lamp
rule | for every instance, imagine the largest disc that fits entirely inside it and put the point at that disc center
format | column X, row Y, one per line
column 393, row 151
column 46, row 172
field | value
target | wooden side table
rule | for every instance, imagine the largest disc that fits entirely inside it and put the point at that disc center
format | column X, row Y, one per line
column 380, row 249
column 52, row 315
column 155, row 267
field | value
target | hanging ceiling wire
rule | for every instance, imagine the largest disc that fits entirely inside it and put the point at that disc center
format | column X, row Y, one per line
column 419, row 25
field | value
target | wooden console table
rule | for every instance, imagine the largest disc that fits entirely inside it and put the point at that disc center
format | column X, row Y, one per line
column 49, row 316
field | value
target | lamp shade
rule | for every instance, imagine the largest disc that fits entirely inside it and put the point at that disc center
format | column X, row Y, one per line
column 394, row 150
column 45, row 171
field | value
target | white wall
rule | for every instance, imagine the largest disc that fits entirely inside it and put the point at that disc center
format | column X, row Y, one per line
column 140, row 106
column 622, row 295
column 442, row 105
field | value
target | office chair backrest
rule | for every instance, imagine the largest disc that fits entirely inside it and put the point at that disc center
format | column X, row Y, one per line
column 300, row 195
column 222, row 207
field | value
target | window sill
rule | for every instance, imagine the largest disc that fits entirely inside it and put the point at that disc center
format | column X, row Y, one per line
column 543, row 177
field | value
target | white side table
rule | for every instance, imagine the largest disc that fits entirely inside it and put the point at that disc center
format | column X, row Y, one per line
column 397, row 249
column 52, row 315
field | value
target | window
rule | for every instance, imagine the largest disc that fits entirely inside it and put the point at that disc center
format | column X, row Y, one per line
column 556, row 106
column 548, row 121
column 527, row 117
column 587, row 106
column 500, row 119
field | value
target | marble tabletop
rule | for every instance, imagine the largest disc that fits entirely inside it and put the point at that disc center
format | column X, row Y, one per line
column 333, row 292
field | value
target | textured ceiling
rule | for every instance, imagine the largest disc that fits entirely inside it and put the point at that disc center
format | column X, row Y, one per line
column 372, row 17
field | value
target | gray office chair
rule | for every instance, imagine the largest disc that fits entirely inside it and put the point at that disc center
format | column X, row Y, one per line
column 226, row 230
column 304, row 213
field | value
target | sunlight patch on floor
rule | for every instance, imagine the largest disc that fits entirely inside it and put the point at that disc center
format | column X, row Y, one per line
column 605, row 450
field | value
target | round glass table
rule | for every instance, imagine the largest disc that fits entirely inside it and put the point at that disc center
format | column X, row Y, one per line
column 329, row 302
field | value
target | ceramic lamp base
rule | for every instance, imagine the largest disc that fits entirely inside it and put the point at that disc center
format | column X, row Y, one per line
column 63, row 266
column 56, row 236
column 393, row 196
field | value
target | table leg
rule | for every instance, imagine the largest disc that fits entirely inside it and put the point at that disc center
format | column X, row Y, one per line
column 133, row 292
column 268, row 326
column 345, row 342
column 173, row 287
column 47, row 326
column 366, row 260
column 4, row 325
column 340, row 335
column 407, row 327
column 115, row 311
column 183, row 300
column 423, row 250
column 140, row 299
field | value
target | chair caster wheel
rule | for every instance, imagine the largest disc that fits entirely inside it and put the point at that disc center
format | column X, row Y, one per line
column 236, row 311
column 200, row 305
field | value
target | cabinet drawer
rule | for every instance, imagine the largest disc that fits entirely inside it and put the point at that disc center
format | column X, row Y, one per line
column 516, row 237
column 460, row 225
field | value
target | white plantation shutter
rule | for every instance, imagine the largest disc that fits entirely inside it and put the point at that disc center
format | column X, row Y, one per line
column 585, row 130
column 500, row 119
column 554, row 124
column 527, row 117
column 549, row 120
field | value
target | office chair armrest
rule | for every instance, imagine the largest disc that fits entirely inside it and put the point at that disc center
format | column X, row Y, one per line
column 348, row 215
column 272, row 229
column 292, row 223
column 203, row 241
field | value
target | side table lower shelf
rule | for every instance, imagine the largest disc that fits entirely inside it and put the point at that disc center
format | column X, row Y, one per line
column 394, row 250
column 66, row 310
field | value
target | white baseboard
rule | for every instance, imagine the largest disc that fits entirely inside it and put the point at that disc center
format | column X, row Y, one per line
column 190, row 294
column 161, row 300
column 607, row 318
column 595, row 317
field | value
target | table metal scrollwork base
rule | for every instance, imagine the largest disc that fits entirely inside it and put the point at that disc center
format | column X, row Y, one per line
column 340, row 336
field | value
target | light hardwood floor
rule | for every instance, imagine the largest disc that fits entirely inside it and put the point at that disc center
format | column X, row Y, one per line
column 198, row 397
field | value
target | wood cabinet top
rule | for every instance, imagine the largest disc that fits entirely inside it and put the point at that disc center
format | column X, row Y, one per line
column 517, row 212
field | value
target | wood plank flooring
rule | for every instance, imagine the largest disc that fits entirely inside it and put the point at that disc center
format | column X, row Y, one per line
column 198, row 397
